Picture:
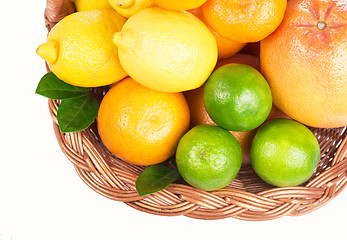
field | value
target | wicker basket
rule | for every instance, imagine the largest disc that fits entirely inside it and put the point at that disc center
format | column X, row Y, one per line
column 246, row 198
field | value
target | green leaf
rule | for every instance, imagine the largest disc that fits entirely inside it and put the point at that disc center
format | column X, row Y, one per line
column 52, row 87
column 77, row 114
column 155, row 178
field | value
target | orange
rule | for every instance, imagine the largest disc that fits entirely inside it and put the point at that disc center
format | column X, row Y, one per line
column 142, row 126
column 179, row 4
column 244, row 21
column 226, row 47
column 284, row 153
column 198, row 114
column 304, row 61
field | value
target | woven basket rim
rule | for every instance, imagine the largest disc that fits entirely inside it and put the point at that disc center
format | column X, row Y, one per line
column 115, row 179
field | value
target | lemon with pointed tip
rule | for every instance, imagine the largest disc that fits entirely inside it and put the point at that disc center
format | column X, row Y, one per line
column 128, row 8
column 168, row 51
column 86, row 5
column 79, row 48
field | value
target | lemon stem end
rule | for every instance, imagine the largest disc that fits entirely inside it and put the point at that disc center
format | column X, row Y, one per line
column 125, row 3
column 117, row 39
column 49, row 51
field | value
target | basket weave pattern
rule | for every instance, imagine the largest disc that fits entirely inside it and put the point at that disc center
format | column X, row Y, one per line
column 246, row 198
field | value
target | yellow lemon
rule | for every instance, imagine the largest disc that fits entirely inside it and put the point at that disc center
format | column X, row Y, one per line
column 168, row 51
column 79, row 48
column 85, row 5
column 128, row 8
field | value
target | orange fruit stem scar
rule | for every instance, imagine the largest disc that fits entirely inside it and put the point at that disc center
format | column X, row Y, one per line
column 321, row 25
column 49, row 51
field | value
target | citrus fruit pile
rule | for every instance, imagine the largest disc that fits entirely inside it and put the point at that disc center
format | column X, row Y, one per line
column 212, row 84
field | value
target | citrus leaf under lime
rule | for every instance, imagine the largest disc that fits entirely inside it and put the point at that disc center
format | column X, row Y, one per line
column 155, row 178
column 52, row 87
column 77, row 114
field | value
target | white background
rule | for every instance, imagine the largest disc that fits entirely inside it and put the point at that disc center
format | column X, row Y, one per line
column 42, row 197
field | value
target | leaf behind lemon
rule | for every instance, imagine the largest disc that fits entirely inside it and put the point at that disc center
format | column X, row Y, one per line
column 77, row 114
column 52, row 87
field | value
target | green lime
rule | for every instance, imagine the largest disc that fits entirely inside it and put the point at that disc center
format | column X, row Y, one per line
column 208, row 157
column 284, row 153
column 237, row 97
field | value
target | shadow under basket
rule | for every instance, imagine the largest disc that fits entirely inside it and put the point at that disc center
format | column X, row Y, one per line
column 246, row 198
